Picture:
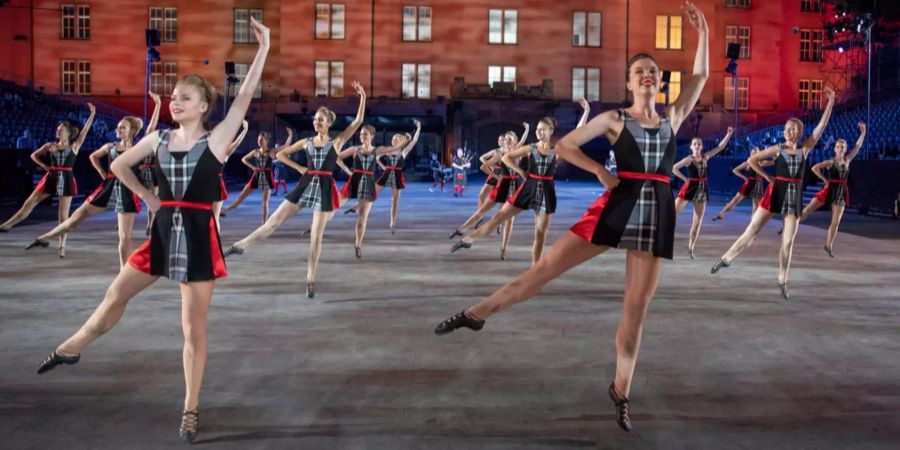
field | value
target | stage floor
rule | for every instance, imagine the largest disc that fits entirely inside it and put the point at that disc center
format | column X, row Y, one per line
column 724, row 363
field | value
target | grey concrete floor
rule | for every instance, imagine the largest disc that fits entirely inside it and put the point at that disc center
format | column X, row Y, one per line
column 725, row 363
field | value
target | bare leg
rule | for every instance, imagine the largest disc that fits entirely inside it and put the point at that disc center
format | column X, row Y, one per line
column 195, row 300
column 483, row 194
column 810, row 208
column 71, row 224
column 395, row 206
column 736, row 200
column 155, row 190
column 265, row 205
column 243, row 195
column 507, row 233
column 837, row 211
column 506, row 212
column 126, row 227
column 477, row 215
column 320, row 219
column 699, row 210
column 755, row 206
column 127, row 284
column 284, row 212
column 567, row 252
column 378, row 188
column 759, row 219
column 787, row 247
column 33, row 200
column 217, row 210
column 65, row 203
column 365, row 207
column 641, row 279
column 680, row 203
column 541, row 227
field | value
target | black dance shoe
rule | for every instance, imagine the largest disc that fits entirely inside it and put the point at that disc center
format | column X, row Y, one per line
column 306, row 232
column 350, row 211
column 455, row 233
column 828, row 250
column 190, row 425
column 480, row 221
column 784, row 291
column 718, row 265
column 4, row 230
column 311, row 289
column 502, row 254
column 37, row 243
column 691, row 252
column 622, row 417
column 55, row 359
column 393, row 229
column 458, row 320
column 460, row 244
column 358, row 252
column 717, row 218
column 232, row 250
column 780, row 231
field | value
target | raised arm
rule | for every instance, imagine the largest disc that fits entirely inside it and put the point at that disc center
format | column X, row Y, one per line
column 134, row 156
column 569, row 147
column 813, row 139
column 414, row 140
column 587, row 111
column 95, row 157
column 753, row 161
column 221, row 135
column 237, row 141
column 524, row 135
column 691, row 90
column 817, row 169
column 676, row 169
column 86, row 129
column 722, row 145
column 36, row 155
column 357, row 121
column 509, row 159
column 154, row 119
column 859, row 142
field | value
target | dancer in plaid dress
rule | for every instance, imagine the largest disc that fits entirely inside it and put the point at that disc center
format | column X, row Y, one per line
column 315, row 190
column 696, row 186
column 184, row 242
column 835, row 192
column 361, row 185
column 126, row 202
column 753, row 186
column 637, row 212
column 493, row 170
column 393, row 166
column 147, row 166
column 59, row 180
column 785, row 193
column 263, row 177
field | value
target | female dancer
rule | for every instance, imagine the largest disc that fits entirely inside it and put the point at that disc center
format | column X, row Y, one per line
column 537, row 193
column 316, row 189
column 393, row 166
column 637, row 212
column 493, row 169
column 785, row 193
column 263, row 172
column 59, row 179
column 437, row 173
column 279, row 168
column 752, row 187
column 696, row 187
column 127, row 202
column 507, row 183
column 223, row 190
column 460, row 165
column 361, row 184
column 835, row 192
column 147, row 174
column 184, row 242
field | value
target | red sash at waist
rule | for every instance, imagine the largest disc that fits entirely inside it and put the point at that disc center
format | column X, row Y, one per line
column 319, row 172
column 364, row 172
column 697, row 179
column 754, row 178
column 644, row 176
column 539, row 177
column 60, row 169
column 185, row 204
column 790, row 180
column 392, row 168
column 837, row 181
column 148, row 166
column 263, row 169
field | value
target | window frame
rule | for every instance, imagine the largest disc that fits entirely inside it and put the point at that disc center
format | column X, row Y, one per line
column 331, row 80
column 738, row 39
column 587, row 29
column 416, row 25
column 743, row 100
column 743, row 4
column 669, row 33
column 586, row 83
column 416, row 80
column 249, row 37
column 75, row 22
column 330, row 22
column 504, row 26
column 814, row 40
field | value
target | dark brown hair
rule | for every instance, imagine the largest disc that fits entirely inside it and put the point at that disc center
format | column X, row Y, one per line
column 72, row 129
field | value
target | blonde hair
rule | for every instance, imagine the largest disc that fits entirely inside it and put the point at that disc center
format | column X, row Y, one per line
column 135, row 123
column 328, row 113
column 840, row 141
column 800, row 126
column 549, row 121
column 207, row 91
column 369, row 128
column 512, row 135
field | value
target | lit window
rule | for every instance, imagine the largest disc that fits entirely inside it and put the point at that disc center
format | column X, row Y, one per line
column 163, row 77
column 586, row 84
column 330, row 78
column 416, row 80
column 674, row 86
column 505, row 74
column 811, row 45
column 417, row 23
column 743, row 93
column 738, row 35
column 810, row 95
column 586, row 29
column 502, row 26
column 329, row 21
column 240, row 72
column 668, row 32
column 243, row 33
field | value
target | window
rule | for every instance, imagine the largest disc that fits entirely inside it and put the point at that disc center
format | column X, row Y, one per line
column 668, row 32
column 586, row 29
column 240, row 72
column 330, row 78
column 243, row 34
column 168, row 29
column 502, row 25
column 810, row 94
column 76, row 21
column 501, row 73
column 743, row 93
column 417, row 23
column 586, row 84
column 811, row 5
column 330, row 21
column 674, row 86
column 76, row 77
column 416, row 80
column 737, row 3
column 738, row 35
column 163, row 77
column 811, row 45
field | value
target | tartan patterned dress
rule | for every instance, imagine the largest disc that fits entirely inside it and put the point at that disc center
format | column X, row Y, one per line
column 785, row 195
column 361, row 184
column 639, row 214
column 316, row 188
column 538, row 192
column 392, row 176
column 507, row 186
column 835, row 191
column 59, row 180
column 126, row 201
column 264, row 175
column 696, row 189
column 184, row 240
column 148, row 175
column 753, row 186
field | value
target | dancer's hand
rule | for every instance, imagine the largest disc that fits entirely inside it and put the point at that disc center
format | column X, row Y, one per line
column 152, row 202
column 730, row 131
column 609, row 181
column 695, row 17
column 584, row 103
column 862, row 127
column 154, row 96
column 260, row 31
column 91, row 107
column 359, row 89
column 829, row 92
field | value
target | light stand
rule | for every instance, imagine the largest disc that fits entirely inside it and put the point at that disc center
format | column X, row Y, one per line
column 733, row 69
column 152, row 38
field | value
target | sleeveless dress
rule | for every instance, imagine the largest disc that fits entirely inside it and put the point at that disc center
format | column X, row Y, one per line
column 361, row 184
column 148, row 175
column 538, row 192
column 392, row 176
column 316, row 188
column 753, row 186
column 639, row 214
column 492, row 181
column 126, row 201
column 59, row 180
column 506, row 187
column 184, row 242
column 696, row 190
column 785, row 195
column 264, row 174
column 835, row 191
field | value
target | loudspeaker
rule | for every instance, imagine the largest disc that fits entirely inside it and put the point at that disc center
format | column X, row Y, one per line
column 229, row 68
column 152, row 37
column 734, row 51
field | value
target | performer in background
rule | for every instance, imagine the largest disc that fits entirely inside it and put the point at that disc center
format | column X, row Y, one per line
column 753, row 186
column 460, row 165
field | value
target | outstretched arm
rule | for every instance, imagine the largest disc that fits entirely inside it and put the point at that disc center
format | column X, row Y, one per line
column 823, row 122
column 587, row 111
column 154, row 119
column 569, row 147
column 722, row 145
column 87, row 128
column 859, row 141
column 223, row 132
column 357, row 121
column 95, row 159
column 415, row 138
column 690, row 93
column 237, row 141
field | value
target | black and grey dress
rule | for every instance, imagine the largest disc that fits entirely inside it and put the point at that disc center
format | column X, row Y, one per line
column 264, row 174
column 184, row 242
column 753, row 186
column 392, row 176
column 835, row 191
column 148, row 175
column 316, row 188
column 361, row 184
column 639, row 214
column 697, row 188
column 59, row 180
column 785, row 195
column 538, row 192
column 506, row 187
column 126, row 201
